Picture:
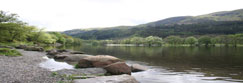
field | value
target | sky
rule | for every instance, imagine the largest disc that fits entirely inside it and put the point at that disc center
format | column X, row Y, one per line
column 61, row 15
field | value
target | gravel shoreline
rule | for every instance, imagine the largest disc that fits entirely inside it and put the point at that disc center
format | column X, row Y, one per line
column 25, row 69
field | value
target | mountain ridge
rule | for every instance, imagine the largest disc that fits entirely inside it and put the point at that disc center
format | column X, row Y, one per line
column 211, row 19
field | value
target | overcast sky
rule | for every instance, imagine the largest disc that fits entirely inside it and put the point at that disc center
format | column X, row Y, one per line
column 60, row 15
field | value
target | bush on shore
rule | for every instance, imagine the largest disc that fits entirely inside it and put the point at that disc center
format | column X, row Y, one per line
column 9, row 52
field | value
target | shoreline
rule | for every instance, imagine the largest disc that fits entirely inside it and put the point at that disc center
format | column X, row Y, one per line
column 25, row 69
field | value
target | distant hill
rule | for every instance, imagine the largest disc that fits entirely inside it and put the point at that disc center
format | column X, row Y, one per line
column 226, row 22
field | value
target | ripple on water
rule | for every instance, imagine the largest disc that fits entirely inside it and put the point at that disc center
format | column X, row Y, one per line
column 160, row 75
column 53, row 65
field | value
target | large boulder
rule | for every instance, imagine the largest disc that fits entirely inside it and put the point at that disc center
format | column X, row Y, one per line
column 138, row 68
column 83, row 63
column 118, row 68
column 32, row 48
column 75, row 57
column 97, row 61
column 108, row 79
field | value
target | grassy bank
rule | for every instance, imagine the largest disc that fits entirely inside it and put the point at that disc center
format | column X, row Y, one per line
column 9, row 52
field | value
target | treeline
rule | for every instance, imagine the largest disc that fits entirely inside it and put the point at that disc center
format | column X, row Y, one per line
column 206, row 40
column 13, row 30
column 184, row 30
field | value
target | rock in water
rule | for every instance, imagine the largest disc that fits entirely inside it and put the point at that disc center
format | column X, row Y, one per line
column 85, row 71
column 21, row 47
column 118, row 68
column 10, row 47
column 83, row 63
column 108, row 79
column 52, row 52
column 76, row 52
column 62, row 56
column 32, row 48
column 98, row 61
column 75, row 57
column 63, row 50
column 137, row 68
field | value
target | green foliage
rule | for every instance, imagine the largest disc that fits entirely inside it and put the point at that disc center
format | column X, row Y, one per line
column 46, row 38
column 173, row 40
column 9, row 52
column 137, row 40
column 65, row 78
column 152, row 40
column 206, row 40
column 5, row 17
column 216, row 24
column 12, row 31
column 76, row 66
column 54, row 74
column 215, row 40
column 191, row 40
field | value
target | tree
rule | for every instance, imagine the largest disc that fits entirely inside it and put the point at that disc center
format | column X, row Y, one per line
column 173, row 40
column 46, row 38
column 215, row 40
column 137, row 40
column 206, row 40
column 15, row 32
column 152, row 40
column 224, row 39
column 191, row 40
column 239, row 37
column 235, row 39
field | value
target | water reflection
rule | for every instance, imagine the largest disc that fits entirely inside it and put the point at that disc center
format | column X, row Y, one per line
column 180, row 64
column 53, row 65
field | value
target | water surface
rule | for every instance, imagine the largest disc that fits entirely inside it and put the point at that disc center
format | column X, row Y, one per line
column 179, row 64
column 53, row 65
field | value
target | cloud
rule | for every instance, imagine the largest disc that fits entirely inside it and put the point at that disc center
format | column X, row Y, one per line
column 59, row 15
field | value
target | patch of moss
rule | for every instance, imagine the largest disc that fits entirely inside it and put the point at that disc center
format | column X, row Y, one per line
column 54, row 74
column 9, row 52
column 76, row 66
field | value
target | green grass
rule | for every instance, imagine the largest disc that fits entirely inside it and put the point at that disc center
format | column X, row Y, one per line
column 76, row 66
column 9, row 52
column 15, row 43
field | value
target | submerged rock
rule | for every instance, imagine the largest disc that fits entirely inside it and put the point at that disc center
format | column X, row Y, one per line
column 56, row 52
column 32, row 48
column 137, row 68
column 52, row 52
column 63, row 50
column 97, row 61
column 108, row 79
column 10, row 47
column 85, row 71
column 62, row 56
column 76, row 52
column 118, row 68
column 21, row 46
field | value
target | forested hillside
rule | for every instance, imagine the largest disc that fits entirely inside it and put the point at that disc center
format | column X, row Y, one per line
column 13, row 30
column 226, row 22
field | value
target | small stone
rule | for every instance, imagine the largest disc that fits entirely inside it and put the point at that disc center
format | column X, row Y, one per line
column 108, row 79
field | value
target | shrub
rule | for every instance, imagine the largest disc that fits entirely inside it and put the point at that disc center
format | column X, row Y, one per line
column 9, row 52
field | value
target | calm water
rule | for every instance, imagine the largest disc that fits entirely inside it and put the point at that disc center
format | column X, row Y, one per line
column 179, row 64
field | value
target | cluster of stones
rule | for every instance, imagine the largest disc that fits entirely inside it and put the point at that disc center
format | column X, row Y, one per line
column 107, row 64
